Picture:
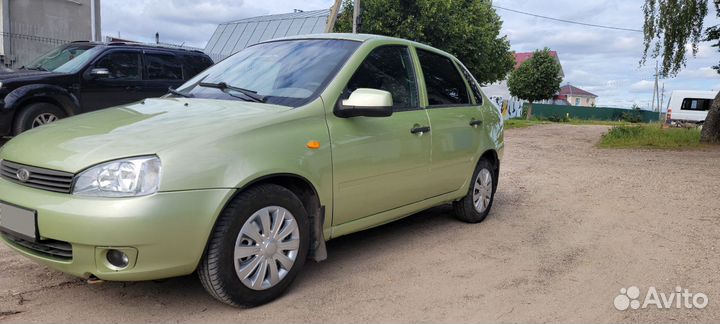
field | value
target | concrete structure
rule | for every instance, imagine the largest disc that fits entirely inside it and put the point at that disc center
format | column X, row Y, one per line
column 576, row 96
column 32, row 27
column 231, row 37
column 499, row 90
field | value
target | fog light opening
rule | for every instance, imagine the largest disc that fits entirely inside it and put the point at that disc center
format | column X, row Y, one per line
column 118, row 259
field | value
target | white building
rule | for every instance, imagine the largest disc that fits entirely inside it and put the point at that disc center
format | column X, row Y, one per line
column 32, row 27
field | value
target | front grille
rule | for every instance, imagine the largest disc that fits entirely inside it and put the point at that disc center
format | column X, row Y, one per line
column 39, row 178
column 52, row 248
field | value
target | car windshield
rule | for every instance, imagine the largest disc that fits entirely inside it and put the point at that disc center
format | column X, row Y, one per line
column 79, row 62
column 58, row 57
column 289, row 73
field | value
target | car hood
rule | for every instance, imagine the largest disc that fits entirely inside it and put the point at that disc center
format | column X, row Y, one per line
column 152, row 126
column 27, row 75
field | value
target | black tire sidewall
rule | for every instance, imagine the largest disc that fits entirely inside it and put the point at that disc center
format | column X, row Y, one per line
column 23, row 122
column 237, row 291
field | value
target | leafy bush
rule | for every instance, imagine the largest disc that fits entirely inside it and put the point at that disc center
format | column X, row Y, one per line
column 631, row 117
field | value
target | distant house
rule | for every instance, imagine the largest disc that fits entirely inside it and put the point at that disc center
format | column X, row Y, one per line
column 499, row 90
column 576, row 96
column 233, row 36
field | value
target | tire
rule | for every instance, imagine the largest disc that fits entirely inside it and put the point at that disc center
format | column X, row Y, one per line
column 37, row 114
column 220, row 271
column 465, row 209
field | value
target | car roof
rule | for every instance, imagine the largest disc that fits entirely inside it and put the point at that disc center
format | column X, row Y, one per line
column 678, row 95
column 361, row 38
column 140, row 45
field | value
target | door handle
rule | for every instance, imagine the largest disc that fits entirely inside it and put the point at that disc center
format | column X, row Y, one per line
column 420, row 130
column 475, row 122
column 132, row 88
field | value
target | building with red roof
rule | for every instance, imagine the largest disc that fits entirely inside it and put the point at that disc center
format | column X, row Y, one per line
column 576, row 96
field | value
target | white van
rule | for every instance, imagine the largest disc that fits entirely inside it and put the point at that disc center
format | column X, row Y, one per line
column 690, row 105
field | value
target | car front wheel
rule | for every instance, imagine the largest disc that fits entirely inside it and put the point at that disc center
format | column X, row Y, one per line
column 475, row 206
column 258, row 246
column 36, row 115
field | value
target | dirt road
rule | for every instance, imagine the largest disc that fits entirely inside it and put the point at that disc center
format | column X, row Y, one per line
column 571, row 226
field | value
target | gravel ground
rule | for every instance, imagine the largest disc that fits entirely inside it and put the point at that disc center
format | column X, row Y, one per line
column 571, row 226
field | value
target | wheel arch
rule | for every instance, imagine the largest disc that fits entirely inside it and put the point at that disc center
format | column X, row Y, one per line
column 308, row 195
column 492, row 156
column 41, row 93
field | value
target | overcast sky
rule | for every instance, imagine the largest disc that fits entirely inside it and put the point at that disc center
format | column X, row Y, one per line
column 601, row 61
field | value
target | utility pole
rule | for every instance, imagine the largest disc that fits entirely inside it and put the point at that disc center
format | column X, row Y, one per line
column 356, row 16
column 662, row 101
column 655, row 86
column 333, row 16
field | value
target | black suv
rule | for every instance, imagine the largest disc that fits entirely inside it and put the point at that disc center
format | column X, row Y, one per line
column 84, row 76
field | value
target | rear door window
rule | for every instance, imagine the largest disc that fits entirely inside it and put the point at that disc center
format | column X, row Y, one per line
column 474, row 86
column 160, row 66
column 444, row 84
column 696, row 104
column 195, row 64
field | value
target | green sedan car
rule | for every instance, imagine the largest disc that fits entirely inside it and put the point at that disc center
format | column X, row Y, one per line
column 245, row 171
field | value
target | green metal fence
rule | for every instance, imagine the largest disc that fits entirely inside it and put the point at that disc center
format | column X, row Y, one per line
column 543, row 111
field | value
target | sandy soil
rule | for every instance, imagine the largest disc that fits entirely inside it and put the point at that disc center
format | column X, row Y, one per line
column 571, row 226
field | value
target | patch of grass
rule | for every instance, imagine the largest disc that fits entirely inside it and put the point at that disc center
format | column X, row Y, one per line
column 573, row 121
column 520, row 123
column 650, row 136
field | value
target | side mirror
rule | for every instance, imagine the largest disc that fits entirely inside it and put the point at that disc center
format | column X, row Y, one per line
column 99, row 73
column 366, row 102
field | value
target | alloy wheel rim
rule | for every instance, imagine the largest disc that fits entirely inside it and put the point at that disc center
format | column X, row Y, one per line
column 43, row 119
column 266, row 247
column 482, row 190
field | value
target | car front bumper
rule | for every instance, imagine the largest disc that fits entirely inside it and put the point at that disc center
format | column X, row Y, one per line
column 164, row 234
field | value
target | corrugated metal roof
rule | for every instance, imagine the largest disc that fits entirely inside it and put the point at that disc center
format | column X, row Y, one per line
column 233, row 36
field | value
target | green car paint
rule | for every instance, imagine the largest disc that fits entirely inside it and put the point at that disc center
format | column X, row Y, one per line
column 368, row 171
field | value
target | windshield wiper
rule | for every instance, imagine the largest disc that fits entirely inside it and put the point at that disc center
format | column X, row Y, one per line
column 35, row 68
column 178, row 93
column 224, row 86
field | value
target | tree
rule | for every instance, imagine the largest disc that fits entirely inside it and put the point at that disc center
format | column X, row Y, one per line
column 671, row 25
column 468, row 29
column 536, row 79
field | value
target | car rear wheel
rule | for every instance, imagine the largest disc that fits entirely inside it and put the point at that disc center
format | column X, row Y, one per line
column 257, row 247
column 475, row 206
column 36, row 115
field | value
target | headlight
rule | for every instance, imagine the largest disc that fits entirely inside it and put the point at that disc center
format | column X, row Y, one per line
column 132, row 177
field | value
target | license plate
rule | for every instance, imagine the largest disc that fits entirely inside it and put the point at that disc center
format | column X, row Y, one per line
column 18, row 221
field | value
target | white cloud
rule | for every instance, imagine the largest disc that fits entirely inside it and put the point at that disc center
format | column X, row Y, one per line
column 602, row 61
column 187, row 21
column 703, row 72
column 642, row 86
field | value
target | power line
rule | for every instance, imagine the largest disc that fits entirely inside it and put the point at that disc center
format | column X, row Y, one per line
column 568, row 21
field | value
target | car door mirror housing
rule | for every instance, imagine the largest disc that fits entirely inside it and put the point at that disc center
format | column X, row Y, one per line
column 99, row 73
column 366, row 102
